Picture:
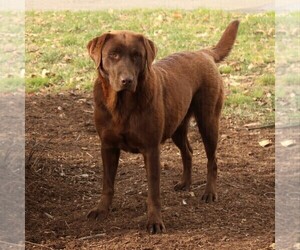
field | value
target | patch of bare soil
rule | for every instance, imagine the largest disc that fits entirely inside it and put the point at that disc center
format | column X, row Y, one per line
column 64, row 176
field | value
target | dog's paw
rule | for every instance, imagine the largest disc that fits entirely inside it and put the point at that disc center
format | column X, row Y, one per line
column 209, row 197
column 182, row 186
column 97, row 214
column 156, row 227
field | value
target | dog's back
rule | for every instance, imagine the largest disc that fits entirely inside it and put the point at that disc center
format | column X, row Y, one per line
column 186, row 74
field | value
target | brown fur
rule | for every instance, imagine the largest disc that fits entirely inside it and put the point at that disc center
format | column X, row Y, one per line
column 138, row 105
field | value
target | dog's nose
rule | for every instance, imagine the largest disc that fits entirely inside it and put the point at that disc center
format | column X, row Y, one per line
column 126, row 81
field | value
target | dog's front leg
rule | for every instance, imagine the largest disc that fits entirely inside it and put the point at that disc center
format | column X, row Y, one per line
column 110, row 160
column 152, row 163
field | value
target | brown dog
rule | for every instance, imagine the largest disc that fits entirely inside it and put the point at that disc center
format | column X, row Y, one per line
column 139, row 105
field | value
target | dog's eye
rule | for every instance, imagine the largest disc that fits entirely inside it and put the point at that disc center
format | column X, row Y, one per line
column 136, row 56
column 114, row 55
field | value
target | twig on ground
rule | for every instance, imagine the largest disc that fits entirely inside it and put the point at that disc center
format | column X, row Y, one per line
column 262, row 126
column 88, row 111
column 38, row 245
column 283, row 126
column 12, row 244
column 288, row 126
column 41, row 151
column 31, row 153
column 271, row 198
column 92, row 236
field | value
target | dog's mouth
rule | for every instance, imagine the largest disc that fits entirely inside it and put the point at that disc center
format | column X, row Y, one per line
column 120, row 87
column 129, row 88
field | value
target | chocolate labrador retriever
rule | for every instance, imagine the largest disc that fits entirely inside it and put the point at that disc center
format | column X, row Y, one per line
column 138, row 105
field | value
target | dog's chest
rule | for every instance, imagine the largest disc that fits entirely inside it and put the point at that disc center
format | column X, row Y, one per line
column 123, row 137
column 126, row 141
column 129, row 143
column 131, row 133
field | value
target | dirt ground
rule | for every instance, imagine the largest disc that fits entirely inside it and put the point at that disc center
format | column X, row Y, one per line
column 63, row 182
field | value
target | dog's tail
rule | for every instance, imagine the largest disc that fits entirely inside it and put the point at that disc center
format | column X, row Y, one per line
column 224, row 46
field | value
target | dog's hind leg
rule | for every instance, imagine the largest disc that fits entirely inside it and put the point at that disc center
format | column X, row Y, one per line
column 207, row 118
column 181, row 141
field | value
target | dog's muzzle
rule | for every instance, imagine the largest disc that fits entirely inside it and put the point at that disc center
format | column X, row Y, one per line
column 127, row 83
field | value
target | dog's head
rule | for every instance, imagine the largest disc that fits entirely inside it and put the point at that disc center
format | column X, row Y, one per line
column 122, row 58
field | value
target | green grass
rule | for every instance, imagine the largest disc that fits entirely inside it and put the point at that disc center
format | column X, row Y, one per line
column 36, row 83
column 225, row 69
column 292, row 78
column 57, row 41
column 11, row 84
column 267, row 80
column 11, row 51
column 287, row 67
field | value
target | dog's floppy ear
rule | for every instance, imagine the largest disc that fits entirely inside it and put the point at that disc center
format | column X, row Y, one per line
column 95, row 48
column 151, row 51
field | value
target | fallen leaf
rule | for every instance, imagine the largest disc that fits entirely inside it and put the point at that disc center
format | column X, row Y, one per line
column 224, row 239
column 295, row 31
column 158, row 32
column 297, row 246
column 262, row 103
column 252, row 124
column 79, row 78
column 160, row 18
column 259, row 32
column 265, row 143
column 32, row 49
column 184, row 202
column 288, row 143
column 200, row 35
column 251, row 66
column 22, row 73
column 224, row 136
column 234, row 83
column 281, row 32
column 271, row 32
column 177, row 15
column 9, row 48
column 236, row 77
column 49, row 216
column 192, row 194
column 67, row 58
column 82, row 100
column 45, row 73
